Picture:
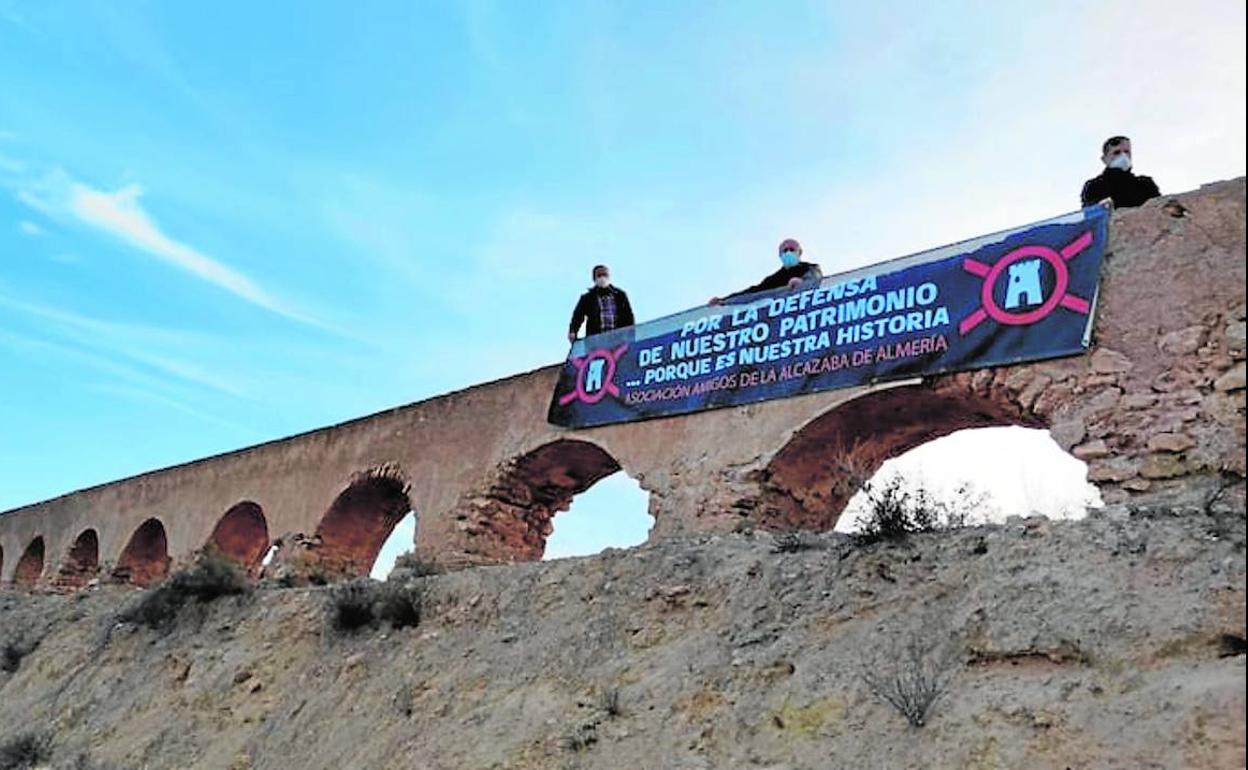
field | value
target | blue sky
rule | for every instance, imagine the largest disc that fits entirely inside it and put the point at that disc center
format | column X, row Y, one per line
column 223, row 223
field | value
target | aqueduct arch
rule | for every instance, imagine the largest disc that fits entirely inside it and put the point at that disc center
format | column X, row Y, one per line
column 30, row 566
column 808, row 483
column 145, row 559
column 1155, row 408
column 362, row 516
column 242, row 535
column 81, row 562
column 512, row 519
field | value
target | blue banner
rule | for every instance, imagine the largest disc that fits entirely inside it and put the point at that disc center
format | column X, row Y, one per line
column 1020, row 295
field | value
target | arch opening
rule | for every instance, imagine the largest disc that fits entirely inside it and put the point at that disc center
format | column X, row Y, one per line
column 352, row 531
column 82, row 561
column 1, row 565
column 30, row 567
column 512, row 521
column 987, row 474
column 242, row 535
column 145, row 559
column 400, row 541
column 809, row 482
column 613, row 513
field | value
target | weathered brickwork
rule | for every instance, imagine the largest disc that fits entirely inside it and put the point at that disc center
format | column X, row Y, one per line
column 1156, row 409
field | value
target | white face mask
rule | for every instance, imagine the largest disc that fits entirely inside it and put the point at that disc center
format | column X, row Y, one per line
column 1121, row 162
column 602, row 281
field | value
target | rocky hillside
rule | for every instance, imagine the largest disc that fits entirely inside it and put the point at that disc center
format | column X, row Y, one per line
column 1094, row 644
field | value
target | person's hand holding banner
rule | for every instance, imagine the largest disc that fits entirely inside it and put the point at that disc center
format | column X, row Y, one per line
column 1020, row 295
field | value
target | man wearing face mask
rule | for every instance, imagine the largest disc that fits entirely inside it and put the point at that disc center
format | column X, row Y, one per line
column 1117, row 182
column 793, row 273
column 602, row 308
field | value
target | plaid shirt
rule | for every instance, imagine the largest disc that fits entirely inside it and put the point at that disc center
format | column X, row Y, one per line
column 602, row 310
column 606, row 311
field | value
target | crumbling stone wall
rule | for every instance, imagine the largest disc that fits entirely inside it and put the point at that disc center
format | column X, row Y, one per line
column 1156, row 408
column 242, row 536
column 145, row 559
column 360, row 519
column 82, row 562
column 30, row 566
column 511, row 520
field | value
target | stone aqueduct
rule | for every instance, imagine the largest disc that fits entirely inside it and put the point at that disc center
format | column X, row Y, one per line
column 1156, row 409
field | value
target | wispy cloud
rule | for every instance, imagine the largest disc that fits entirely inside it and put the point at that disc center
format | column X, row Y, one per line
column 30, row 228
column 8, row 12
column 120, row 214
column 148, row 397
column 137, row 384
column 137, row 344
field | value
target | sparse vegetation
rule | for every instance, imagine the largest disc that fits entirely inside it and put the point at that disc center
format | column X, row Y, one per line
column 911, row 676
column 84, row 762
column 790, row 542
column 209, row 579
column 350, row 605
column 1231, row 645
column 1218, row 493
column 408, row 564
column 400, row 604
column 355, row 604
column 609, row 702
column 13, row 649
column 405, row 700
column 896, row 509
column 25, row 751
column 580, row 738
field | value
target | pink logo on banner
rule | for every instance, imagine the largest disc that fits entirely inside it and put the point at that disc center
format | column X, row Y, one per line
column 1059, row 296
column 595, row 375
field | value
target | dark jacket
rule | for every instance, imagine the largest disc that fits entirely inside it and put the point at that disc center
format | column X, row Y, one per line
column 587, row 310
column 803, row 271
column 1124, row 187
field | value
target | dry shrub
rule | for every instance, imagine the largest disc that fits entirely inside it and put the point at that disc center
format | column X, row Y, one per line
column 16, row 646
column 25, row 751
column 356, row 604
column 209, row 579
column 913, row 673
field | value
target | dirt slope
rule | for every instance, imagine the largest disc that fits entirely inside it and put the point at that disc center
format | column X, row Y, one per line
column 1094, row 644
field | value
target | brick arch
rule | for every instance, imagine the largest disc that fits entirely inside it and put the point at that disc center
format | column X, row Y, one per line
column 512, row 520
column 145, row 559
column 804, row 484
column 82, row 561
column 30, row 567
column 242, row 535
column 357, row 523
